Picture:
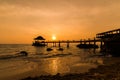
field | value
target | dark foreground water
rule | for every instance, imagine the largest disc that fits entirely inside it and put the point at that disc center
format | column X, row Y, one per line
column 42, row 62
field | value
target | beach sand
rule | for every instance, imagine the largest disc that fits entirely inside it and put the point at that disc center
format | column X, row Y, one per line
column 110, row 70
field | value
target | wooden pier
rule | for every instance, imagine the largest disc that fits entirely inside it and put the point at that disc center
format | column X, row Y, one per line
column 109, row 41
column 100, row 37
column 84, row 41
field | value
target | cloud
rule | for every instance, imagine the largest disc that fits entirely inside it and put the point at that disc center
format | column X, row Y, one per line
column 60, row 16
column 51, row 8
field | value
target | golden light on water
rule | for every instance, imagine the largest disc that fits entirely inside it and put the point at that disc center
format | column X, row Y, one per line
column 54, row 66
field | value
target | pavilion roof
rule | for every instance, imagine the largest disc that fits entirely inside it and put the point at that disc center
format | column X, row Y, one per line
column 39, row 38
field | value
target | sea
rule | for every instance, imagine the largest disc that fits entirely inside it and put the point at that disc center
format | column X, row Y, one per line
column 39, row 61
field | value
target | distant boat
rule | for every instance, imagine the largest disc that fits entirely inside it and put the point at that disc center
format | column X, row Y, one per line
column 87, row 46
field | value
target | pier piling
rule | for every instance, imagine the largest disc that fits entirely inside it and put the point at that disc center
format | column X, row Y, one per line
column 67, row 43
column 89, row 40
column 59, row 44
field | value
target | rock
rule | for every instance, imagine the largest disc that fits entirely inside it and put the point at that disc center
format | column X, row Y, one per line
column 49, row 49
column 23, row 53
column 60, row 49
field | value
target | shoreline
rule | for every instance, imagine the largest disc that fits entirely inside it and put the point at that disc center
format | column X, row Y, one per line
column 109, row 71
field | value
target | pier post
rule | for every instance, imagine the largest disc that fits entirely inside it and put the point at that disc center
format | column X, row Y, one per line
column 94, row 45
column 101, row 44
column 94, row 41
column 55, row 44
column 47, row 43
column 59, row 44
column 84, row 41
column 68, row 43
column 44, row 43
column 89, row 40
column 80, row 41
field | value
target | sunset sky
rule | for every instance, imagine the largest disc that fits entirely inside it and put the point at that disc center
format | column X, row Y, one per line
column 22, row 20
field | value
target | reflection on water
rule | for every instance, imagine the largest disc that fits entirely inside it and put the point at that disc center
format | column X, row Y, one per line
column 58, row 66
column 39, row 50
column 41, row 62
column 54, row 65
column 65, row 65
column 50, row 66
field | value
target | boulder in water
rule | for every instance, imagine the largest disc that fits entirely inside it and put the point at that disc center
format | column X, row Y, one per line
column 23, row 53
column 49, row 49
column 60, row 49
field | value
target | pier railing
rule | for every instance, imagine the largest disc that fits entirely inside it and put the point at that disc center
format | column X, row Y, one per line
column 74, row 41
column 81, row 41
column 109, row 42
column 108, row 34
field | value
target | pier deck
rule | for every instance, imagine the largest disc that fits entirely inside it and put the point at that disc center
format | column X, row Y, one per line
column 74, row 41
column 109, row 41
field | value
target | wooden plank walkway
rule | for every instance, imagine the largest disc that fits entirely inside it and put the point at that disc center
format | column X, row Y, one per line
column 67, row 42
column 74, row 41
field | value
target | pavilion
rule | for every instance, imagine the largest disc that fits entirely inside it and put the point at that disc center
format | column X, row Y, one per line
column 39, row 41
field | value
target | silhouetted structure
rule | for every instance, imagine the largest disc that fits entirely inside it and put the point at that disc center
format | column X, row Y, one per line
column 23, row 53
column 90, row 41
column 111, row 41
column 39, row 41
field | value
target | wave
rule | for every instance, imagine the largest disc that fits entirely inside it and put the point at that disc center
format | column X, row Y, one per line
column 2, row 57
column 57, row 55
column 9, row 56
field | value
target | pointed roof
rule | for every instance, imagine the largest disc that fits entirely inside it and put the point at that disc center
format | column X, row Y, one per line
column 39, row 38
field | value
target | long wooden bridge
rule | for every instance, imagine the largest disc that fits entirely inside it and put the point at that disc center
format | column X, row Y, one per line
column 99, row 37
column 75, row 41
column 82, row 41
column 103, row 38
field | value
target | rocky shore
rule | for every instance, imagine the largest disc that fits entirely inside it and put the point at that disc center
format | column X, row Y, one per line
column 109, row 71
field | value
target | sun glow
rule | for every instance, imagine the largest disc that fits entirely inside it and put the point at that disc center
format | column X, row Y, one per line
column 53, row 37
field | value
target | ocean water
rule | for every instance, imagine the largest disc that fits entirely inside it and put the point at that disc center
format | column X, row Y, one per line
column 42, row 62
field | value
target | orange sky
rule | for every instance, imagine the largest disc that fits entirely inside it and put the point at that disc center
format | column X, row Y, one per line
column 22, row 20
